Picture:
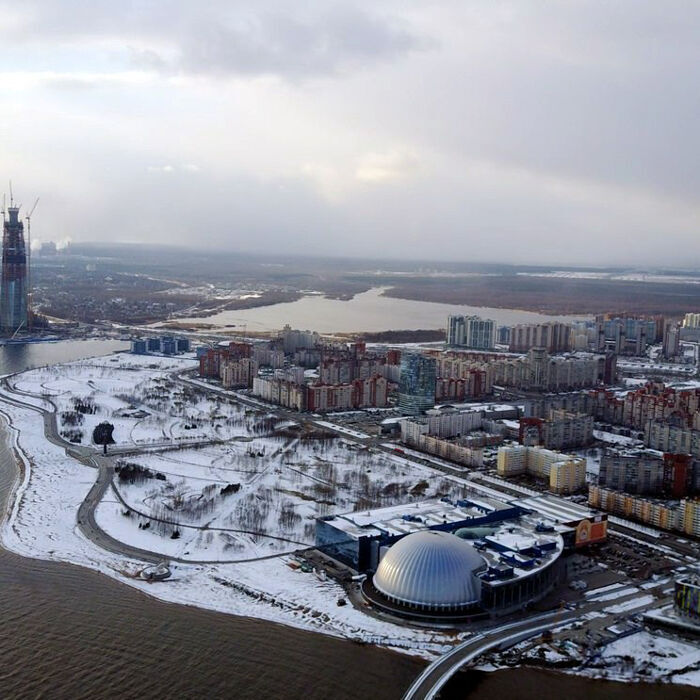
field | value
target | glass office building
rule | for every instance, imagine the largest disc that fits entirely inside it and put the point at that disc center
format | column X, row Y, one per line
column 416, row 383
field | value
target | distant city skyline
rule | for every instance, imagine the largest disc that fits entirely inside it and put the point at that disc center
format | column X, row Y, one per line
column 513, row 131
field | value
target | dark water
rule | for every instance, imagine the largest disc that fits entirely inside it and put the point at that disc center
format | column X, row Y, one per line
column 535, row 684
column 67, row 632
column 17, row 358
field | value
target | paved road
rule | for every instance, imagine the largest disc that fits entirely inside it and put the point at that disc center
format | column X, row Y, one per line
column 92, row 457
column 435, row 676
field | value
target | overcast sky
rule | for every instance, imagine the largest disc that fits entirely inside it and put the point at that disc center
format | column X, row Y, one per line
column 522, row 131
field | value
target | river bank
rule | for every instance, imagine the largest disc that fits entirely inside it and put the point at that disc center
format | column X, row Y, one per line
column 212, row 569
column 261, row 658
column 70, row 631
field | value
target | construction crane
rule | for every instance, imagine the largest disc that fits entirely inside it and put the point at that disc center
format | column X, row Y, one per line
column 30, row 314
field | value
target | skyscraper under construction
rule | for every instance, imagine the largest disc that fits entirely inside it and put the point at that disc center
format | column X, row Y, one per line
column 13, row 285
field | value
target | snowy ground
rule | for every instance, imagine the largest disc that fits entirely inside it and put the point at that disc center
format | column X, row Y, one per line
column 284, row 477
column 42, row 522
column 592, row 455
column 615, row 439
column 135, row 394
column 650, row 656
column 280, row 484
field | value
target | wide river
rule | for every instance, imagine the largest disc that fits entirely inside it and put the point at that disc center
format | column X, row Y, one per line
column 369, row 311
column 68, row 632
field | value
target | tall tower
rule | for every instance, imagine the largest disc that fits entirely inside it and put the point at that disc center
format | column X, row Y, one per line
column 416, row 383
column 13, row 285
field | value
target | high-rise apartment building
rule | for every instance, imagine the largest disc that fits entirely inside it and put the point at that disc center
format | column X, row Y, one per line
column 690, row 516
column 562, row 430
column 238, row 373
column 565, row 473
column 503, row 335
column 628, row 335
column 294, row 340
column 456, row 331
column 667, row 515
column 471, row 332
column 538, row 371
column 672, row 340
column 673, row 476
column 552, row 336
column 691, row 321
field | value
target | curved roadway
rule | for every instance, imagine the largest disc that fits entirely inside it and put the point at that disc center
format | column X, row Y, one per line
column 93, row 458
column 434, row 677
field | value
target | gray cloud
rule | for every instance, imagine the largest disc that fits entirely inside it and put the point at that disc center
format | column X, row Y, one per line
column 454, row 129
column 282, row 44
column 243, row 38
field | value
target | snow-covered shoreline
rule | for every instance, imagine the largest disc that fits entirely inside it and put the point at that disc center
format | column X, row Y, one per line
column 633, row 658
column 50, row 486
column 41, row 524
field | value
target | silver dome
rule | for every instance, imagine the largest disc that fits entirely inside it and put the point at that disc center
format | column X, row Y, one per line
column 430, row 569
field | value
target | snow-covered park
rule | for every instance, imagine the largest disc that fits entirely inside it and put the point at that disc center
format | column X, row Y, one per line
column 255, row 496
column 269, row 477
column 224, row 491
column 134, row 393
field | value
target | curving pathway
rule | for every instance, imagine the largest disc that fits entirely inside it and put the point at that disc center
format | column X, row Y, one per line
column 93, row 458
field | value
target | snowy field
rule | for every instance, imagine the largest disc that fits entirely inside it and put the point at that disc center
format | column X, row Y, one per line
column 239, row 507
column 42, row 524
column 135, row 394
column 285, row 479
column 635, row 656
column 52, row 486
column 259, row 496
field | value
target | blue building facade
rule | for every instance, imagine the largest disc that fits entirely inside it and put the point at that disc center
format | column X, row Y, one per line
column 416, row 383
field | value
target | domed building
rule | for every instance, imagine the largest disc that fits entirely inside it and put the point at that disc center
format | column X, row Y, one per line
column 500, row 558
column 429, row 572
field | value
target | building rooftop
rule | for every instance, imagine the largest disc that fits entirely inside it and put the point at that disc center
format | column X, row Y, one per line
column 555, row 508
column 430, row 568
column 412, row 517
column 512, row 545
column 468, row 407
column 520, row 547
